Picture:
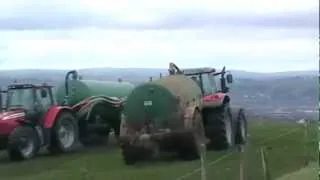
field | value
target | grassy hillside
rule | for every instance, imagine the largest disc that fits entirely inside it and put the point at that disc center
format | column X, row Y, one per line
column 291, row 89
column 285, row 156
column 310, row 172
column 282, row 87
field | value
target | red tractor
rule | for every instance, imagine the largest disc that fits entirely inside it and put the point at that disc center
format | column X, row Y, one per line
column 32, row 120
column 224, row 126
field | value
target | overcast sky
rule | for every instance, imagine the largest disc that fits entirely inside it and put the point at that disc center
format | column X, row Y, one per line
column 252, row 35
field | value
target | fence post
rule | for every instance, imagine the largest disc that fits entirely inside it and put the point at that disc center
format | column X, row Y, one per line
column 203, row 157
column 318, row 132
column 243, row 162
column 265, row 165
column 306, row 140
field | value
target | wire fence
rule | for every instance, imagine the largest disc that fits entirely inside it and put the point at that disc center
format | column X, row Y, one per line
column 262, row 158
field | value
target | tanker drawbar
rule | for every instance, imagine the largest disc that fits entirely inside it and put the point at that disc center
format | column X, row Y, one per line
column 160, row 117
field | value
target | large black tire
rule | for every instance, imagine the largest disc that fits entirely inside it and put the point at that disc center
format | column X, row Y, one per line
column 188, row 149
column 241, row 127
column 23, row 143
column 64, row 121
column 220, row 128
column 132, row 154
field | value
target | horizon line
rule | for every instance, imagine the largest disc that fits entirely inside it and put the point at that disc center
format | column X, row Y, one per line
column 146, row 68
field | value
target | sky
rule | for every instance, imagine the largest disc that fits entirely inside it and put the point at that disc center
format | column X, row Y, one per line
column 251, row 35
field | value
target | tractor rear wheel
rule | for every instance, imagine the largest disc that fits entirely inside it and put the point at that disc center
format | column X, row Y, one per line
column 241, row 127
column 64, row 134
column 23, row 143
column 219, row 128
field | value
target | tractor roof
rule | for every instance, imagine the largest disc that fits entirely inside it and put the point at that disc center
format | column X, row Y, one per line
column 195, row 71
column 26, row 86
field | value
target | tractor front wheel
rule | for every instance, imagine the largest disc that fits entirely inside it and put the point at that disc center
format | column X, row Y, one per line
column 241, row 127
column 64, row 135
column 23, row 143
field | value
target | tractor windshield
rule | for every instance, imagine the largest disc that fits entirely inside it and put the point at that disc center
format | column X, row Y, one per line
column 20, row 98
column 209, row 85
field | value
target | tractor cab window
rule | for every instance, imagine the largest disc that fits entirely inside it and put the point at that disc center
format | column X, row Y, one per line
column 44, row 98
column 209, row 86
column 217, row 82
column 20, row 98
column 196, row 79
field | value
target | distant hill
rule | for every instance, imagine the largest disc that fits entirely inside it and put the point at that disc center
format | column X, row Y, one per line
column 255, row 75
column 132, row 74
column 262, row 93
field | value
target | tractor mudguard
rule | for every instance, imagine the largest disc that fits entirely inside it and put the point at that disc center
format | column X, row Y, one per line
column 214, row 100
column 6, row 127
column 52, row 115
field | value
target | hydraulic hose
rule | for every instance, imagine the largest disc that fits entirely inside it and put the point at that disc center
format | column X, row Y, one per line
column 173, row 69
column 89, row 103
column 85, row 109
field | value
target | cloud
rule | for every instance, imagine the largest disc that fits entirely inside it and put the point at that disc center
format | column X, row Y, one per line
column 56, row 15
column 305, row 19
column 124, row 48
column 253, row 35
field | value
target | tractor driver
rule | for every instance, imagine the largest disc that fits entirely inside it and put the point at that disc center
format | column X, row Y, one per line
column 41, row 105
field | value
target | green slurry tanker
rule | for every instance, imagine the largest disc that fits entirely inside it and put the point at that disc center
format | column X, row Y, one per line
column 78, row 90
column 177, row 113
column 32, row 117
column 97, row 103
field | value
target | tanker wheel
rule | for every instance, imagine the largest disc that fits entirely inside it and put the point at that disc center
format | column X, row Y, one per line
column 64, row 134
column 97, row 139
column 190, row 149
column 131, row 154
column 241, row 127
column 219, row 128
column 23, row 144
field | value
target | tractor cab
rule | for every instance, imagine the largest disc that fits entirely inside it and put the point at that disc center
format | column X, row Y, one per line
column 206, row 78
column 34, row 100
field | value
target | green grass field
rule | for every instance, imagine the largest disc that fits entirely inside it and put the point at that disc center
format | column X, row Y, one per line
column 309, row 172
column 285, row 156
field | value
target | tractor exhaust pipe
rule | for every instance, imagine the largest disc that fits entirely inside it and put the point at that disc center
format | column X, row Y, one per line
column 2, row 104
column 224, row 80
column 74, row 75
